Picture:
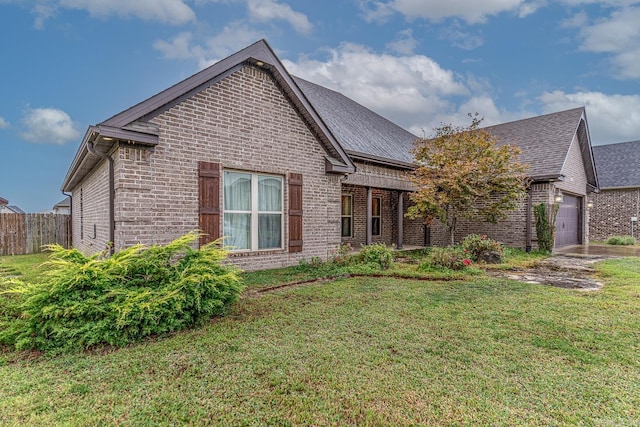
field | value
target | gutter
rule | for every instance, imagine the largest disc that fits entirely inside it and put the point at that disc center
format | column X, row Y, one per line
column 381, row 160
column 112, row 223
column 70, row 196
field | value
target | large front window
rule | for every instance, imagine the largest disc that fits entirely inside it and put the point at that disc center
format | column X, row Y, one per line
column 252, row 211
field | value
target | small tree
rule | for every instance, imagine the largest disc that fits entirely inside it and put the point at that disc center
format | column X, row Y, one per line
column 463, row 173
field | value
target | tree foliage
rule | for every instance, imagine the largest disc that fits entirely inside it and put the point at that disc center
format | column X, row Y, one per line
column 463, row 173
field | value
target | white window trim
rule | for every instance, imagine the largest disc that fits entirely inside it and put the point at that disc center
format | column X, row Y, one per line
column 254, row 212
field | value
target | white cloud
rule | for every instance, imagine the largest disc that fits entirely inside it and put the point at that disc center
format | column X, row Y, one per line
column 376, row 12
column 174, row 12
column 619, row 36
column 578, row 20
column 530, row 7
column 3, row 123
column 603, row 3
column 42, row 12
column 436, row 10
column 180, row 47
column 405, row 44
column 209, row 50
column 48, row 125
column 612, row 118
column 459, row 38
column 270, row 10
column 409, row 90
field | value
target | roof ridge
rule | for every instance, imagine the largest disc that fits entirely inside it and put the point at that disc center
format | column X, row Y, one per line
column 541, row 116
column 617, row 143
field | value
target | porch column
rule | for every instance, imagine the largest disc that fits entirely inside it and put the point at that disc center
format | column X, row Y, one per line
column 400, row 220
column 369, row 214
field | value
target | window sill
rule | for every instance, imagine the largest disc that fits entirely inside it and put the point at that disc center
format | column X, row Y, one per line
column 240, row 254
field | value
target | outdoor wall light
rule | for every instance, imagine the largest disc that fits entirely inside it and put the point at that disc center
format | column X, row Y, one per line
column 589, row 203
column 558, row 197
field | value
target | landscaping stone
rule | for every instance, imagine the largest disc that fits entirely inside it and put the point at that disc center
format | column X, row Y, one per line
column 490, row 257
column 562, row 271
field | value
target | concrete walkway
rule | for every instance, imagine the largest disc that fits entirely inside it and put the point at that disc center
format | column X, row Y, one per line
column 570, row 267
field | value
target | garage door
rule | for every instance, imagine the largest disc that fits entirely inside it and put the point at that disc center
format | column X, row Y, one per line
column 568, row 222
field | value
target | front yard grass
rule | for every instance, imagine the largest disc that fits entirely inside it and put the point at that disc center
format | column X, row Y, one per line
column 24, row 267
column 361, row 351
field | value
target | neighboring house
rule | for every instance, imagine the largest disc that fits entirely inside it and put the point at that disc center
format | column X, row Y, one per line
column 557, row 148
column 244, row 150
column 285, row 169
column 63, row 207
column 6, row 208
column 618, row 203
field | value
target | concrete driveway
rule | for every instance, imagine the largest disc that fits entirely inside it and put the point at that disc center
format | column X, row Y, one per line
column 599, row 250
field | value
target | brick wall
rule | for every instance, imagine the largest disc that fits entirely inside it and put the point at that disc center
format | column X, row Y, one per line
column 612, row 212
column 243, row 122
column 91, row 211
column 511, row 231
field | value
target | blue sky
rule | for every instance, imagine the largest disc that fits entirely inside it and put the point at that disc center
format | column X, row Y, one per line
column 68, row 64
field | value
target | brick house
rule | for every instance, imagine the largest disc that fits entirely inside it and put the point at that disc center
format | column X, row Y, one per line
column 285, row 169
column 618, row 202
column 241, row 149
column 557, row 148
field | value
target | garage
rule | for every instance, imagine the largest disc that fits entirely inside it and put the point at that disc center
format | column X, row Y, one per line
column 568, row 223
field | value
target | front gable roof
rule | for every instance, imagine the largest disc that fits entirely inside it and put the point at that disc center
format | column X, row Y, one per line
column 545, row 141
column 132, row 125
column 618, row 165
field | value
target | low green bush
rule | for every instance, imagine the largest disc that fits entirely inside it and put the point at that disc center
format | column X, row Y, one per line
column 621, row 240
column 475, row 245
column 342, row 256
column 137, row 292
column 451, row 257
column 376, row 253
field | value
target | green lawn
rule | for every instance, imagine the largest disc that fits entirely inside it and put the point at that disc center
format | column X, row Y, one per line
column 362, row 351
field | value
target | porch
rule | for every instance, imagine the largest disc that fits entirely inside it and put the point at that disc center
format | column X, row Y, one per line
column 377, row 215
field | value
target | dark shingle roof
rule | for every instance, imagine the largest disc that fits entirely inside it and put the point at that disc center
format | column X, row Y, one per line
column 618, row 165
column 64, row 203
column 359, row 130
column 544, row 140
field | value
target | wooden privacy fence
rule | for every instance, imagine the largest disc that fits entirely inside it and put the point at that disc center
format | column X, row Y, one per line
column 27, row 233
